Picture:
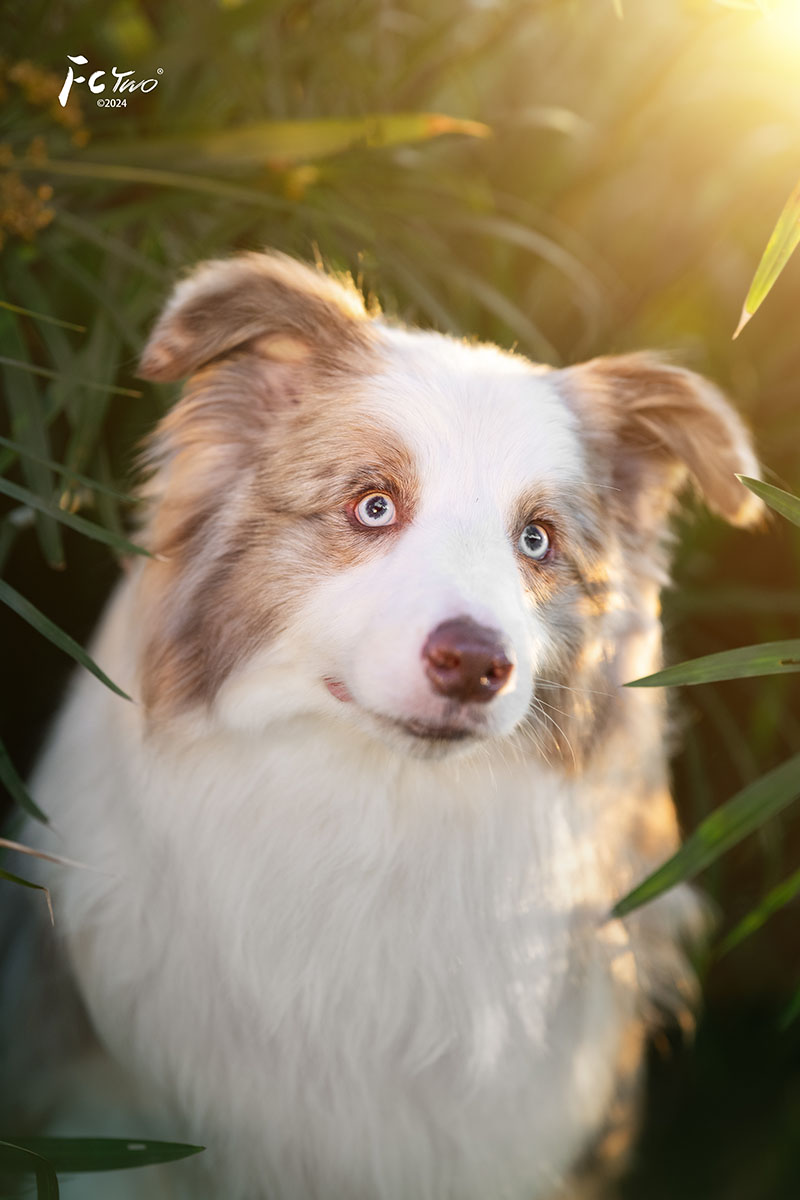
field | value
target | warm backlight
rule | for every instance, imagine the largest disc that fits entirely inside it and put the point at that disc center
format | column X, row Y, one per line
column 781, row 23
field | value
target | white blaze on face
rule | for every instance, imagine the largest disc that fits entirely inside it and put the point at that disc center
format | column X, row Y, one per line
column 483, row 429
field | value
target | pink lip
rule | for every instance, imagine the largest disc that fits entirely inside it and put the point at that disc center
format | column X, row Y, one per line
column 338, row 690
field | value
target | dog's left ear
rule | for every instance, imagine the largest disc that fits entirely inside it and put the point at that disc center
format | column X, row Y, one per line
column 655, row 424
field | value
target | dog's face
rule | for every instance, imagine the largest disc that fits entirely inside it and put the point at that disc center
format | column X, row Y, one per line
column 445, row 525
column 437, row 541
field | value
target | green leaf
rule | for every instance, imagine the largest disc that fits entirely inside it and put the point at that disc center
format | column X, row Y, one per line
column 45, row 626
column 782, row 502
column 768, row 658
column 281, row 143
column 776, row 899
column 780, row 247
column 16, row 788
column 740, row 816
column 83, row 1155
column 97, row 532
column 10, row 877
column 20, row 1160
column 38, row 316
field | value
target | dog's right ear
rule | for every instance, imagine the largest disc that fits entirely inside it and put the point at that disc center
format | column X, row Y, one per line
column 288, row 311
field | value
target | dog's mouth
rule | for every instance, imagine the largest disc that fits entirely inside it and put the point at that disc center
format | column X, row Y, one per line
column 338, row 690
column 423, row 731
column 436, row 733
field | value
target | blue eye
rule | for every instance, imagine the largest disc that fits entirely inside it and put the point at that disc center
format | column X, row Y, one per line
column 375, row 510
column 535, row 542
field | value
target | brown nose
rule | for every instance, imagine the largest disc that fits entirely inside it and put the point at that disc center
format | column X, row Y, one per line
column 466, row 661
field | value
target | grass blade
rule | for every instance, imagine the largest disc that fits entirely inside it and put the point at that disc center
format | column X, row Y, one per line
column 83, row 1155
column 280, row 143
column 19, row 1160
column 780, row 247
column 38, row 316
column 42, row 624
column 9, row 528
column 16, row 788
column 505, row 230
column 92, row 484
column 111, row 173
column 28, row 424
column 58, row 859
column 10, row 877
column 97, row 532
column 36, row 297
column 506, row 310
column 740, row 816
column 112, row 245
column 782, row 502
column 86, row 383
column 768, row 658
column 791, row 1012
column 776, row 899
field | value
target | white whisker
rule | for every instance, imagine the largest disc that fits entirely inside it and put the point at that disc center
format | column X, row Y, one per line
column 554, row 722
column 567, row 688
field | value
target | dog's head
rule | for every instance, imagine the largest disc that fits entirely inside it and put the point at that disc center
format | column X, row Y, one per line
column 437, row 541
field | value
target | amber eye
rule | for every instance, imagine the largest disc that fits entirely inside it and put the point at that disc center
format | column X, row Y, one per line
column 375, row 510
column 535, row 542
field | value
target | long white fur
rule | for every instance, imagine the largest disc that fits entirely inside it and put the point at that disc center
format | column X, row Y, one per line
column 349, row 972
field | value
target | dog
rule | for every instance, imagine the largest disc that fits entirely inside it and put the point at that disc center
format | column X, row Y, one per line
column 352, row 850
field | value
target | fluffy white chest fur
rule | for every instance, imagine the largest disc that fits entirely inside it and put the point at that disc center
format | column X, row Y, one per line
column 351, row 975
column 355, row 848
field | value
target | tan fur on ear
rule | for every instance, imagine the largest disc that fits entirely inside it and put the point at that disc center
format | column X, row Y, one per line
column 295, row 311
column 660, row 422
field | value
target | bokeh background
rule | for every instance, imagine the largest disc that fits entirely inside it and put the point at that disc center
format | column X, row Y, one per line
column 606, row 179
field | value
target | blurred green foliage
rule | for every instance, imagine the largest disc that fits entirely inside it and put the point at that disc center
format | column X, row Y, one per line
column 632, row 176
column 758, row 802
